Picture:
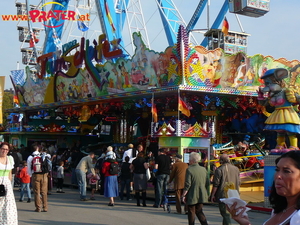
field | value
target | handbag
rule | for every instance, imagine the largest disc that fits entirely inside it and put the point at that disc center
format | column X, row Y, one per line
column 2, row 190
column 148, row 174
column 229, row 188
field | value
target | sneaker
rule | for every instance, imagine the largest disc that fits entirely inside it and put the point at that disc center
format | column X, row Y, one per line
column 29, row 200
column 84, row 199
column 130, row 199
column 20, row 200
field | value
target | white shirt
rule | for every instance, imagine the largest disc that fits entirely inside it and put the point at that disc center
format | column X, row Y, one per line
column 129, row 154
column 295, row 218
column 60, row 172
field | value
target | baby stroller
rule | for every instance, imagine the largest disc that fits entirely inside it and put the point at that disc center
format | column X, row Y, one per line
column 169, row 197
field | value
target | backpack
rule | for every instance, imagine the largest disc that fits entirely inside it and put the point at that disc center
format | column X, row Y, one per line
column 41, row 164
column 47, row 164
column 114, row 169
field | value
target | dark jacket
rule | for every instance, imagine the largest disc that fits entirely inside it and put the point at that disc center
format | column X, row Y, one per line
column 196, row 181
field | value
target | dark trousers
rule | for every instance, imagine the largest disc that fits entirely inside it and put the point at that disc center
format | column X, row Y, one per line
column 60, row 183
column 224, row 214
column 178, row 194
column 196, row 210
column 125, row 183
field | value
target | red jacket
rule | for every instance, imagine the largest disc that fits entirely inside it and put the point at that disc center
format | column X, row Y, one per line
column 105, row 169
column 24, row 176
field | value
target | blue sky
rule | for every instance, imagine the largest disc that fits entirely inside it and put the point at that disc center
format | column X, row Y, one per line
column 276, row 34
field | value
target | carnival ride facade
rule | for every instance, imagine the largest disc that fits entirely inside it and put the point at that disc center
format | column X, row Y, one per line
column 92, row 87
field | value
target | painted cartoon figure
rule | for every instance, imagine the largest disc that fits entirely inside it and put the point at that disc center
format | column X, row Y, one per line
column 125, row 74
column 284, row 120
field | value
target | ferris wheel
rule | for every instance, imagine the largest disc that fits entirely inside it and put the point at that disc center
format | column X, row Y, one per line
column 117, row 19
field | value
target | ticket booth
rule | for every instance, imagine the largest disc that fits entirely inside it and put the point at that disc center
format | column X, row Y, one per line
column 185, row 145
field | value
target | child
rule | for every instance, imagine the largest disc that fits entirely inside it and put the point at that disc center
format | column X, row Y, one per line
column 125, row 178
column 25, row 182
column 60, row 177
column 93, row 180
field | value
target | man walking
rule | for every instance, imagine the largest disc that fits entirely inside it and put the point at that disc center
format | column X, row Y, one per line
column 225, row 173
column 131, row 153
column 39, row 180
column 162, row 166
column 85, row 164
column 194, row 192
column 178, row 175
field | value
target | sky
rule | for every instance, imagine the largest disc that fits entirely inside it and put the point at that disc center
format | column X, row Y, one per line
column 276, row 33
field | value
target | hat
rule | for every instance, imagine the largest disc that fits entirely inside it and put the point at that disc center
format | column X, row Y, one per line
column 130, row 146
column 110, row 155
column 178, row 156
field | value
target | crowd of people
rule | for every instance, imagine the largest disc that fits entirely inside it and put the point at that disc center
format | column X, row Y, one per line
column 104, row 174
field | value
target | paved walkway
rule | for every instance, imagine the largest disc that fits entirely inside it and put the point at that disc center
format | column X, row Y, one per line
column 66, row 209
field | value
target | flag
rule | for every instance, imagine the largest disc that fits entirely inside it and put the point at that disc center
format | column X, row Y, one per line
column 81, row 26
column 16, row 100
column 154, row 113
column 183, row 107
column 109, row 17
column 18, row 76
column 225, row 27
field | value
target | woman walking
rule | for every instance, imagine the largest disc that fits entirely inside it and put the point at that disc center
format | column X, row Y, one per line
column 139, row 167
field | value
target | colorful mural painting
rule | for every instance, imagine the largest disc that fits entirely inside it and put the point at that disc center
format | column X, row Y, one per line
column 103, row 69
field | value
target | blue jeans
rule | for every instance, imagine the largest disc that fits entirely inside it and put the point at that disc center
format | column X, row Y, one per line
column 81, row 178
column 161, row 188
column 73, row 177
column 23, row 187
column 125, row 183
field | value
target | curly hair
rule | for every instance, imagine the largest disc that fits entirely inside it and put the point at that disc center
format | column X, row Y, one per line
column 278, row 202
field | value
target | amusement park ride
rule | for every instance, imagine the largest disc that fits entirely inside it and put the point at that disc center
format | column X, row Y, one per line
column 125, row 17
column 103, row 25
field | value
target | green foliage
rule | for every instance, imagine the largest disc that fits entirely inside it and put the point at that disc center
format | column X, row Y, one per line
column 7, row 103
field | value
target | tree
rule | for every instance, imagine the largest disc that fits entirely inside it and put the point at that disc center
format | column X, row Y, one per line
column 7, row 103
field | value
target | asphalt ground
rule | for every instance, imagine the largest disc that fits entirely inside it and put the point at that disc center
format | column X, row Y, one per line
column 67, row 209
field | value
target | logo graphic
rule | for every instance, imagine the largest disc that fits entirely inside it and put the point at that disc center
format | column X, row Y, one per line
column 47, row 17
column 43, row 16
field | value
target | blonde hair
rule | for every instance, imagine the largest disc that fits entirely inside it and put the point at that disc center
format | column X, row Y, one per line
column 109, row 149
